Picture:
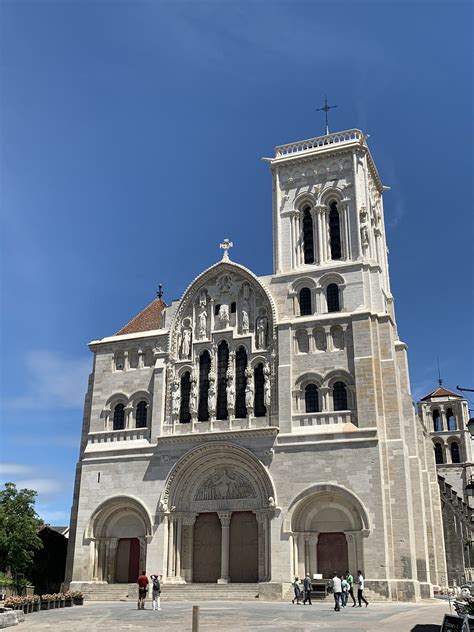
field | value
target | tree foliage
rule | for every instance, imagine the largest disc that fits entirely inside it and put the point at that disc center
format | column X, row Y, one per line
column 19, row 524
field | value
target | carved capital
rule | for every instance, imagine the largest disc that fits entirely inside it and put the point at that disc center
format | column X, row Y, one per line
column 189, row 519
column 225, row 518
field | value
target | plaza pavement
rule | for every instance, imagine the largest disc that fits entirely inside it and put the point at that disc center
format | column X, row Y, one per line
column 238, row 616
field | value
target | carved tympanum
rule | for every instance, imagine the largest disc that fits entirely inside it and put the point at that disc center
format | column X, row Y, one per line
column 225, row 483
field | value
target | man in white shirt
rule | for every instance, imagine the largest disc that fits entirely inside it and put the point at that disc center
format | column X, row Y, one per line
column 337, row 589
column 360, row 589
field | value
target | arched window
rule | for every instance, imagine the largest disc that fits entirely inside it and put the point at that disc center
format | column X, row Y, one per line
column 119, row 361
column 141, row 415
column 222, row 365
column 119, row 417
column 332, row 297
column 133, row 359
column 337, row 338
column 184, row 412
column 308, row 244
column 437, row 423
column 204, row 368
column 339, row 396
column 148, row 360
column 259, row 381
column 305, row 302
column 320, row 339
column 311, row 399
column 450, row 420
column 240, row 383
column 438, row 449
column 302, row 341
column 334, row 232
column 455, row 454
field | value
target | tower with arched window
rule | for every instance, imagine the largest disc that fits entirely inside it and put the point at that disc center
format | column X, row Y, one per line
column 260, row 428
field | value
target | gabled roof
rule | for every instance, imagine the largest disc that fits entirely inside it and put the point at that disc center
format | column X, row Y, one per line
column 440, row 392
column 148, row 319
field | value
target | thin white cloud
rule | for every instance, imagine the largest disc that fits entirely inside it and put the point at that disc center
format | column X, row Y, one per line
column 14, row 469
column 53, row 380
column 53, row 516
column 64, row 441
column 44, row 486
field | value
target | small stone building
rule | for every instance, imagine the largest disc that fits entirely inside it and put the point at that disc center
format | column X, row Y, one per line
column 263, row 427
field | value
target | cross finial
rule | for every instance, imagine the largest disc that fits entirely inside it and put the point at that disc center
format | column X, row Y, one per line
column 225, row 245
column 159, row 291
column 326, row 109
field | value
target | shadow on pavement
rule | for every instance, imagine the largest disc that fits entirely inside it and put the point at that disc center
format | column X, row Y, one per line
column 426, row 628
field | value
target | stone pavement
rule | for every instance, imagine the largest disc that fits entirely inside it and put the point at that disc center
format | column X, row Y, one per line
column 242, row 616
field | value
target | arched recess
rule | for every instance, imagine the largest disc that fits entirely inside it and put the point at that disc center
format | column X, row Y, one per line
column 118, row 532
column 227, row 481
column 328, row 524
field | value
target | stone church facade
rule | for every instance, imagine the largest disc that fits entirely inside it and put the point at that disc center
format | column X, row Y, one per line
column 263, row 427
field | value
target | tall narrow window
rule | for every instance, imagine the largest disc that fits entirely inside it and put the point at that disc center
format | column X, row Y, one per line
column 184, row 412
column 438, row 449
column 455, row 454
column 335, row 232
column 240, row 383
column 450, row 420
column 311, row 399
column 332, row 297
column 222, row 365
column 119, row 417
column 305, row 302
column 437, row 423
column 204, row 368
column 141, row 415
column 308, row 245
column 260, row 410
column 339, row 395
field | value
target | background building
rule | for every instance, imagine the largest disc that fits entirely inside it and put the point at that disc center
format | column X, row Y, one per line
column 260, row 428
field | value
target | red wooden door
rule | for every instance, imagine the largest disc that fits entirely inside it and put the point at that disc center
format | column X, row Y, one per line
column 134, row 560
column 332, row 554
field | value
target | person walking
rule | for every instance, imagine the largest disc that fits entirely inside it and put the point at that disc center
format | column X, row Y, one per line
column 360, row 589
column 142, row 582
column 350, row 581
column 156, row 591
column 307, row 589
column 297, row 591
column 337, row 589
column 345, row 588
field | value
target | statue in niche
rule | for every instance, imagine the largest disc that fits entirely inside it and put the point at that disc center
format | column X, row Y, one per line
column 230, row 390
column 271, row 501
column 262, row 332
column 175, row 398
column 364, row 236
column 193, row 396
column 212, row 395
column 203, row 299
column 224, row 283
column 249, row 390
column 186, row 338
column 267, row 389
column 202, row 323
column 245, row 317
column 224, row 315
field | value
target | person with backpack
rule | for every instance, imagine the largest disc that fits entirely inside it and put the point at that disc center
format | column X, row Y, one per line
column 345, row 588
column 156, row 591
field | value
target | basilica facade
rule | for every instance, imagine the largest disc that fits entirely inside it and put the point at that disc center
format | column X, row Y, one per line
column 263, row 427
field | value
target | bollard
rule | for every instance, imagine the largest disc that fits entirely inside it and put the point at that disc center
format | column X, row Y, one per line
column 195, row 619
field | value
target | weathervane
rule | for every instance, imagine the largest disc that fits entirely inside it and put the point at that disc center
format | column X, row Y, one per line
column 225, row 245
column 326, row 109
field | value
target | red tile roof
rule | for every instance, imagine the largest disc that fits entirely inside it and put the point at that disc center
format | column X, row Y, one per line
column 440, row 392
column 149, row 318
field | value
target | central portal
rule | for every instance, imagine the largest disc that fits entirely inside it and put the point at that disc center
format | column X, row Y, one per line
column 207, row 548
column 243, row 547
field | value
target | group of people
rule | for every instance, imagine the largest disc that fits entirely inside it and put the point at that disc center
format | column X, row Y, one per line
column 143, row 585
column 342, row 586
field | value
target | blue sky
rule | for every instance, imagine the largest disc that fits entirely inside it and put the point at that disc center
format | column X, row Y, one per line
column 131, row 138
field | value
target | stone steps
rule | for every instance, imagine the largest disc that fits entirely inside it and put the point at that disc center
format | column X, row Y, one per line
column 171, row 592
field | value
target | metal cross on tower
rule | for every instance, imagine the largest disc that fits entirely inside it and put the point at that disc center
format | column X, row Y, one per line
column 225, row 245
column 326, row 109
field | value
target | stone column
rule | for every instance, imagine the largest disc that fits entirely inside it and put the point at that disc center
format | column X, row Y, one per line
column 128, row 416
column 111, row 559
column 225, row 517
column 263, row 546
column 314, row 217
column 324, row 391
column 306, row 554
column 179, row 532
column 301, row 557
column 188, row 522
column 313, row 553
column 170, row 565
column 319, row 232
column 95, row 546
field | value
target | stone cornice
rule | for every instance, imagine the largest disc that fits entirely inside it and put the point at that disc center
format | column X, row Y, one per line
column 207, row 437
column 300, row 441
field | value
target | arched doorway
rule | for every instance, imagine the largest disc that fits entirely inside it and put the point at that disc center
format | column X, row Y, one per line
column 127, row 561
column 219, row 529
column 327, row 524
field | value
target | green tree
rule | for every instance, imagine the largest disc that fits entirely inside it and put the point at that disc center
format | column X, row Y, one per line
column 19, row 524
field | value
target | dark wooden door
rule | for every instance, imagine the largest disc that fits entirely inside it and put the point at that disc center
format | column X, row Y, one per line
column 134, row 560
column 332, row 554
column 243, row 547
column 207, row 548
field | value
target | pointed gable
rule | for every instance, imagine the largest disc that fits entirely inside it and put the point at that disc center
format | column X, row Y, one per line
column 440, row 392
column 147, row 320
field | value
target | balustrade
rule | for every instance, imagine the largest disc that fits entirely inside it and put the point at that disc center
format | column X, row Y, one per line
column 319, row 141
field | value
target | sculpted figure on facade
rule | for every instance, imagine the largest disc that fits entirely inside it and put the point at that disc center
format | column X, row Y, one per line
column 249, row 390
column 193, row 396
column 186, row 339
column 225, row 484
column 262, row 332
column 245, row 317
column 267, row 389
column 230, row 391
column 175, row 398
column 224, row 315
column 212, row 395
column 202, row 323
